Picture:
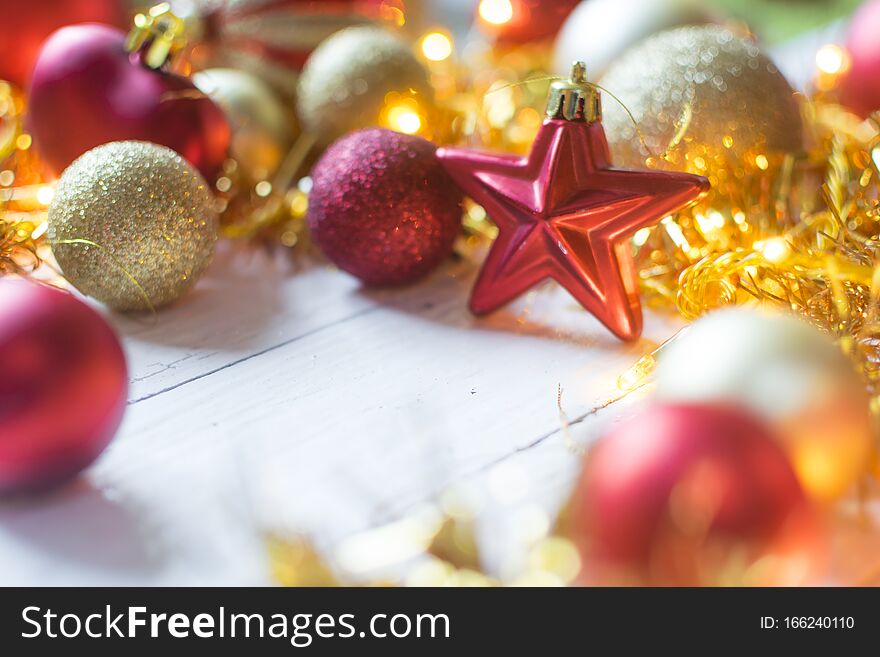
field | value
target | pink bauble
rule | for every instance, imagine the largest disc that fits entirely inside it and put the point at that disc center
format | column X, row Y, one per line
column 86, row 91
column 382, row 207
column 859, row 87
column 63, row 386
column 693, row 495
column 24, row 26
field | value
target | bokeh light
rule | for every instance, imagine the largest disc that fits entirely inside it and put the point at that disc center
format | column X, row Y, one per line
column 436, row 46
column 496, row 12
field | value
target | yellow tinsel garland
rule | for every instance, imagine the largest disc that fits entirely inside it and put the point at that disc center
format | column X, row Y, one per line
column 804, row 235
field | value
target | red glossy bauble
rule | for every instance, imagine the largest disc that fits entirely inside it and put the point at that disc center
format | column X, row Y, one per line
column 529, row 20
column 859, row 87
column 693, row 495
column 63, row 386
column 24, row 26
column 87, row 91
column 382, row 207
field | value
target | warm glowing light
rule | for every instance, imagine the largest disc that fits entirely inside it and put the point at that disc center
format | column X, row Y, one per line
column 832, row 59
column 45, row 195
column 404, row 119
column 775, row 250
column 437, row 46
column 496, row 12
column 762, row 162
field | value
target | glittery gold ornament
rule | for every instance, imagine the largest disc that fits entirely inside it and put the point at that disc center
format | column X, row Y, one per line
column 132, row 224
column 709, row 99
column 362, row 77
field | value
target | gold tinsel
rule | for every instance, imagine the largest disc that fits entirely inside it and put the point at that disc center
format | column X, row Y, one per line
column 22, row 197
column 809, row 242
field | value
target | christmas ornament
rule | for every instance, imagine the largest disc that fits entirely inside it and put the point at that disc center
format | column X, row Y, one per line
column 382, row 208
column 693, row 495
column 133, row 225
column 858, row 87
column 594, row 32
column 523, row 21
column 708, row 100
column 788, row 373
column 274, row 38
column 108, row 94
column 63, row 383
column 564, row 213
column 355, row 78
column 25, row 27
column 261, row 128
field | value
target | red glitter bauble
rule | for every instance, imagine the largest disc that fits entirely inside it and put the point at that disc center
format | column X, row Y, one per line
column 859, row 87
column 530, row 20
column 24, row 26
column 86, row 91
column 693, row 495
column 382, row 207
column 63, row 386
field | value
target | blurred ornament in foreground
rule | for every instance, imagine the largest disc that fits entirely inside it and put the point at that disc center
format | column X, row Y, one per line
column 274, row 38
column 859, row 86
column 25, row 26
column 523, row 21
column 63, row 385
column 382, row 208
column 786, row 372
column 693, row 495
column 261, row 128
column 707, row 99
column 363, row 77
column 87, row 90
column 594, row 33
column 133, row 225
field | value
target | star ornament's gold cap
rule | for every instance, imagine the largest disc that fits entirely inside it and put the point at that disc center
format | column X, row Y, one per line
column 574, row 99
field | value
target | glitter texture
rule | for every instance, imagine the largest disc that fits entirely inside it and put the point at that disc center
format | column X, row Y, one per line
column 347, row 81
column 151, row 216
column 382, row 208
column 712, row 95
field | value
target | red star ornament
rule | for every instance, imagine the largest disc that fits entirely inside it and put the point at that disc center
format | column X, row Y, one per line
column 565, row 213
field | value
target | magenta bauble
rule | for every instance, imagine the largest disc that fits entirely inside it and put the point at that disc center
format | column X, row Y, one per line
column 860, row 85
column 63, row 386
column 86, row 91
column 24, row 26
column 693, row 495
column 382, row 208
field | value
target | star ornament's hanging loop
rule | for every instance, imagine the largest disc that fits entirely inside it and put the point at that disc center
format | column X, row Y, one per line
column 565, row 213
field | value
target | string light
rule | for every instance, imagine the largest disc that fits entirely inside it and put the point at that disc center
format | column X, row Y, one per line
column 436, row 46
column 831, row 59
column 404, row 117
column 496, row 12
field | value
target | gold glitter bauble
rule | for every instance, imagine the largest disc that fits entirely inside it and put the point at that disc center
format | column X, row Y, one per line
column 712, row 95
column 353, row 77
column 132, row 224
